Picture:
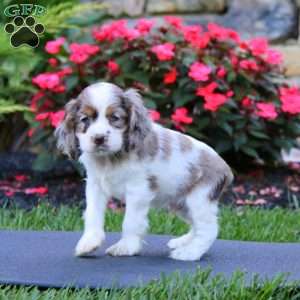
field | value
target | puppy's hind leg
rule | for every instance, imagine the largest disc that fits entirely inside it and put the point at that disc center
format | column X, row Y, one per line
column 184, row 239
column 180, row 241
column 203, row 214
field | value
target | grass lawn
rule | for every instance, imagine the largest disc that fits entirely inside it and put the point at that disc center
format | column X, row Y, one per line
column 277, row 225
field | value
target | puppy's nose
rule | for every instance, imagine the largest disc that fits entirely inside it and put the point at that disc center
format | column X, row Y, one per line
column 99, row 140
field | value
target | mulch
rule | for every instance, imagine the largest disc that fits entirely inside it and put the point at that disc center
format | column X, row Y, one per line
column 23, row 187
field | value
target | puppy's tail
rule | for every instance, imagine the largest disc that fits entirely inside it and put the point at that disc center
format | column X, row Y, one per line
column 221, row 184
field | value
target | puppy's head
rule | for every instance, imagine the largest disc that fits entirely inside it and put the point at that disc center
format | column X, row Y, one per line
column 103, row 120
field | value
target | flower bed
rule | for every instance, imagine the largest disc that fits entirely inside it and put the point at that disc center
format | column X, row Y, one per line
column 24, row 187
column 206, row 82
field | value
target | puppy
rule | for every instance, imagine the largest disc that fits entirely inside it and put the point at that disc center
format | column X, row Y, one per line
column 127, row 156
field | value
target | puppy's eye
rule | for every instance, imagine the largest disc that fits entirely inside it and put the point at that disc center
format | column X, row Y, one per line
column 84, row 119
column 115, row 118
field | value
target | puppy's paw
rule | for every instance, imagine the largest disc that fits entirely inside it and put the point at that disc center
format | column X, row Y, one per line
column 88, row 243
column 180, row 241
column 126, row 247
column 187, row 253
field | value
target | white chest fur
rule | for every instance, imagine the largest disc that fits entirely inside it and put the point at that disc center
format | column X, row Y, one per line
column 113, row 178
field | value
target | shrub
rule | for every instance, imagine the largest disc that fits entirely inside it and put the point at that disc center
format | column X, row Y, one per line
column 206, row 82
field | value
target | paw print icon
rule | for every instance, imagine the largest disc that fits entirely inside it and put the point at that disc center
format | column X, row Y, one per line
column 24, row 31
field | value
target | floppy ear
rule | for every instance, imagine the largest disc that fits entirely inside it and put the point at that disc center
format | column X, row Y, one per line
column 139, row 121
column 65, row 132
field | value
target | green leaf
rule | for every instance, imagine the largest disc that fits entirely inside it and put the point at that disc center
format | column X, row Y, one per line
column 231, row 76
column 71, row 82
column 240, row 139
column 180, row 97
column 184, row 81
column 202, row 122
column 43, row 162
column 227, row 128
column 250, row 151
column 149, row 103
column 195, row 132
column 240, row 124
column 8, row 107
column 138, row 76
column 189, row 58
column 259, row 134
column 223, row 146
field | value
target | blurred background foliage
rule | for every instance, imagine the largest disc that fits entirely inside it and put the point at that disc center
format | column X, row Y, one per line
column 68, row 18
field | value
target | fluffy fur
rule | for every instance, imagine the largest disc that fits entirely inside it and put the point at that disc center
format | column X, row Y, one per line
column 128, row 157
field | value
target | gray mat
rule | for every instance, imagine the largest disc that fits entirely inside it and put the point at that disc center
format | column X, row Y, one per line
column 46, row 259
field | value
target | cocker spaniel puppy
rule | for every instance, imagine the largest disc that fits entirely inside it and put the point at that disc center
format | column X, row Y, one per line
column 127, row 156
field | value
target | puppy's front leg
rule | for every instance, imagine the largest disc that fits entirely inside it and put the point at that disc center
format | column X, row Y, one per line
column 94, row 215
column 135, row 222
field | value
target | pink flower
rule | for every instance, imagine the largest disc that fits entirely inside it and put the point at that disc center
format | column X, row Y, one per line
column 53, row 62
column 65, row 71
column 248, row 64
column 42, row 116
column 78, row 58
column 191, row 32
column 258, row 46
column 81, row 52
column 234, row 59
column 206, row 90
column 35, row 99
column 113, row 67
column 260, row 201
column 202, row 41
column 30, row 132
column 115, row 30
column 9, row 193
column 57, row 117
column 221, row 73
column 171, row 76
column 53, row 47
column 229, row 93
column 164, row 52
column 144, row 25
column 273, row 57
column 246, row 102
column 46, row 80
column 221, row 33
column 41, row 190
column 176, row 22
column 84, row 48
column 102, row 33
column 199, row 71
column 21, row 178
column 214, row 101
column 266, row 110
column 180, row 116
column 132, row 34
column 59, row 89
column 154, row 115
column 290, row 100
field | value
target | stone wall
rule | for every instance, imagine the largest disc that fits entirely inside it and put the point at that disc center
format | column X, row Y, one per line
column 278, row 20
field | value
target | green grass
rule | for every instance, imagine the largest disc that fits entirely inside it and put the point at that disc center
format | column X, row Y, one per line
column 248, row 224
column 277, row 225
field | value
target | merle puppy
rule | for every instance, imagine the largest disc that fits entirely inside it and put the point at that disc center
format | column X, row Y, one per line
column 127, row 156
